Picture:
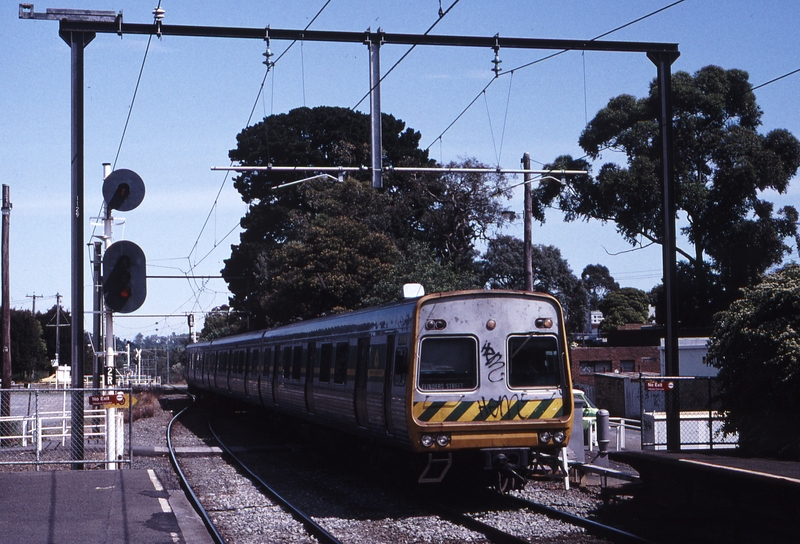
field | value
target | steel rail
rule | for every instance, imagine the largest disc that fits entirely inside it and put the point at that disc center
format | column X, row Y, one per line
column 312, row 526
column 497, row 536
column 190, row 494
column 592, row 527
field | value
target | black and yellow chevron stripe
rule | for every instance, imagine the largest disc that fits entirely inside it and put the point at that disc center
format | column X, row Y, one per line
column 487, row 410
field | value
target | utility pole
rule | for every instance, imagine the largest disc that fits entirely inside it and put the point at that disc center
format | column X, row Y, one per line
column 5, row 401
column 34, row 297
column 528, row 222
column 58, row 327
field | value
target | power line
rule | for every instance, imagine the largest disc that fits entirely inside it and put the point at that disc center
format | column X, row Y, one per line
column 269, row 66
column 136, row 89
column 542, row 59
column 776, row 79
column 401, row 59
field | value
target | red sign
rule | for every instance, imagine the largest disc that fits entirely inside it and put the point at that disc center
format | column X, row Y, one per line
column 659, row 385
column 102, row 400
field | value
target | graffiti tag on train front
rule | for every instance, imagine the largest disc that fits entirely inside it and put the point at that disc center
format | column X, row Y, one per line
column 494, row 362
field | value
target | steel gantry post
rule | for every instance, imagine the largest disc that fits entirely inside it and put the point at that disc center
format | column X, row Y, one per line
column 376, row 134
column 663, row 62
column 77, row 42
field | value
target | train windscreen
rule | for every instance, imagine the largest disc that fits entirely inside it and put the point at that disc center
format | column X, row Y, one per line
column 448, row 363
column 533, row 361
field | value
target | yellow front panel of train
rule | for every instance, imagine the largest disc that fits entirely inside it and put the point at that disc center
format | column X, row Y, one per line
column 487, row 410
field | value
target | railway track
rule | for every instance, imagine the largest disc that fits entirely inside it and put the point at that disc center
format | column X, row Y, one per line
column 283, row 492
column 227, row 500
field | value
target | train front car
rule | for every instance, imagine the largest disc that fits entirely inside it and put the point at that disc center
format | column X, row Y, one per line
column 492, row 386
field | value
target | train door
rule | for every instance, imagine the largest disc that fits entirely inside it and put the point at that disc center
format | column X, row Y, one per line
column 210, row 369
column 309, row 377
column 264, row 381
column 276, row 365
column 387, row 384
column 362, row 362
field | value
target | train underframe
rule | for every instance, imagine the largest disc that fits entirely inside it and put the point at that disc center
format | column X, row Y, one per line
column 505, row 469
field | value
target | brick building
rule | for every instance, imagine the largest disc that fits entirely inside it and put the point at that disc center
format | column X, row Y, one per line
column 588, row 361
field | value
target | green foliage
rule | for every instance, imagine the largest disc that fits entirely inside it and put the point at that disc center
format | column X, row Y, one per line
column 623, row 306
column 48, row 323
column 503, row 268
column 722, row 166
column 321, row 246
column 28, row 350
column 418, row 264
column 756, row 346
column 334, row 265
column 598, row 282
column 221, row 322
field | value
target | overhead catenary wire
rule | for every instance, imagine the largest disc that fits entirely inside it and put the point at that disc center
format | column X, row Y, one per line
column 269, row 67
column 542, row 59
column 410, row 49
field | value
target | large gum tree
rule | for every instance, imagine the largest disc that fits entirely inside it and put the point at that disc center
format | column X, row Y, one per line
column 724, row 168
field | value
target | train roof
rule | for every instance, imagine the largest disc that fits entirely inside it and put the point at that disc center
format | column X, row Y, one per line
column 392, row 315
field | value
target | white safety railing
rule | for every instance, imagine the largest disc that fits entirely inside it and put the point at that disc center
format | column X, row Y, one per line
column 51, row 426
column 620, row 424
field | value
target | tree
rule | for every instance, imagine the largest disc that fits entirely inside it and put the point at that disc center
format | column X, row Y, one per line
column 419, row 264
column 28, row 350
column 756, row 347
column 333, row 267
column 503, row 267
column 623, row 306
column 723, row 166
column 598, row 282
column 219, row 322
column 48, row 323
column 321, row 246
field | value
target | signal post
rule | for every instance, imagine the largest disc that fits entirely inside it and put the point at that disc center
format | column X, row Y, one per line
column 124, row 286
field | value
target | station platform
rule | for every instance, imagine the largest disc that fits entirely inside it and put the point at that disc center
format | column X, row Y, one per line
column 88, row 506
column 716, row 496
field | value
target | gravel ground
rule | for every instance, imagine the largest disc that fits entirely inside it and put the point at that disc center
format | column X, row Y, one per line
column 340, row 495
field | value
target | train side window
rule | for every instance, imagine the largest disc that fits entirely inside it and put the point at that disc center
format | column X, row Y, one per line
column 448, row 363
column 533, row 361
column 340, row 365
column 325, row 358
column 400, row 366
column 286, row 360
column 297, row 362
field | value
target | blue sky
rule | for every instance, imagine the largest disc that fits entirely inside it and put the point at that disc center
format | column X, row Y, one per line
column 196, row 95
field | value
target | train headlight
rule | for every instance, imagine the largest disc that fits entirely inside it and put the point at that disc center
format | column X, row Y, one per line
column 560, row 436
column 544, row 323
column 442, row 440
column 545, row 437
column 435, row 324
column 426, row 440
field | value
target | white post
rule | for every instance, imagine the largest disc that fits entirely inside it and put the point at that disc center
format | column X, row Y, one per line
column 111, row 419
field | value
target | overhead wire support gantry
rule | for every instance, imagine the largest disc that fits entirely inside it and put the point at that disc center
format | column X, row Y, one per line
column 78, row 28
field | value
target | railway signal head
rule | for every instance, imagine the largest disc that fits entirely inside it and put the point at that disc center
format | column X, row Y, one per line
column 123, row 190
column 124, row 277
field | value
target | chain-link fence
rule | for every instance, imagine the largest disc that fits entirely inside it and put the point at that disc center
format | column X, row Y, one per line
column 36, row 427
column 701, row 419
